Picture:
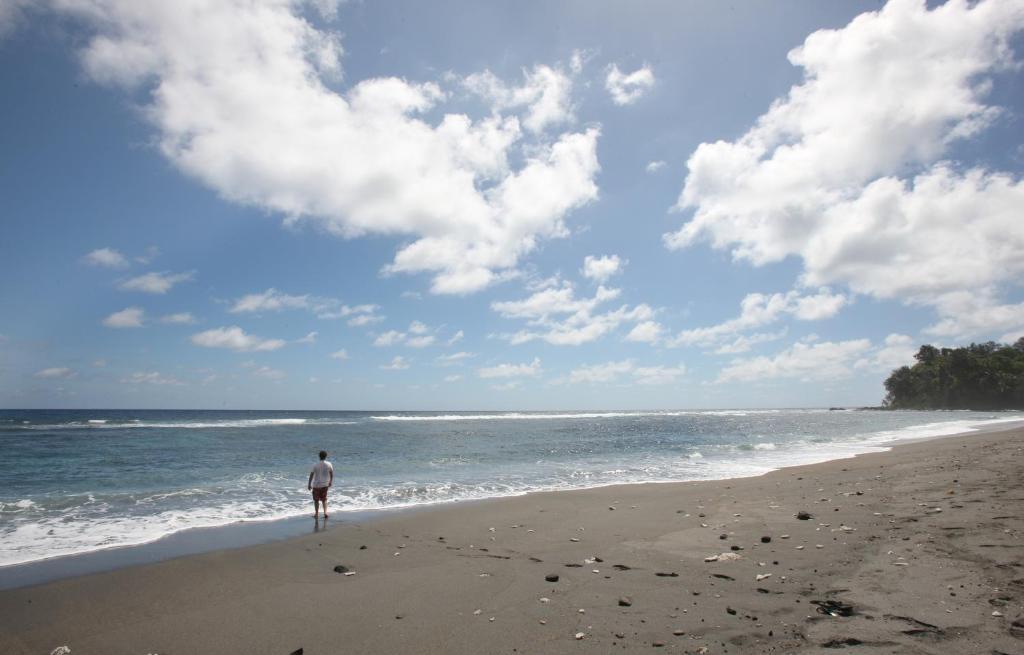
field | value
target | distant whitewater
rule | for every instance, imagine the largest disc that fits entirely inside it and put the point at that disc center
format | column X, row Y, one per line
column 79, row 481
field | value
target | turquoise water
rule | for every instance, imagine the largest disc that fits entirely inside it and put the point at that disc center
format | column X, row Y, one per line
column 85, row 480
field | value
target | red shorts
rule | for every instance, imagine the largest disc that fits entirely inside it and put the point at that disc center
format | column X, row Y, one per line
column 320, row 493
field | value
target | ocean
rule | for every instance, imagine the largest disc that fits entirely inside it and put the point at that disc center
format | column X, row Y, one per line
column 86, row 480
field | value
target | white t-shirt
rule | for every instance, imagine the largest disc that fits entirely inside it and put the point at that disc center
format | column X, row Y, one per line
column 322, row 474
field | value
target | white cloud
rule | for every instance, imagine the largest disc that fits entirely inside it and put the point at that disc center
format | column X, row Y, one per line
column 967, row 313
column 420, row 342
column 273, row 300
column 819, row 361
column 613, row 371
column 156, row 283
column 601, row 268
column 152, row 377
column 899, row 350
column 546, row 93
column 397, row 363
column 628, row 88
column 601, row 372
column 309, row 338
column 389, row 338
column 846, row 172
column 530, row 370
column 655, row 166
column 56, row 373
column 365, row 319
column 418, row 328
column 646, row 332
column 107, row 257
column 242, row 98
column 558, row 317
column 457, row 337
column 340, row 354
column 758, row 309
column 744, row 343
column 452, row 378
column 270, row 300
column 130, row 317
column 181, row 318
column 234, row 338
column 454, row 358
column 99, row 363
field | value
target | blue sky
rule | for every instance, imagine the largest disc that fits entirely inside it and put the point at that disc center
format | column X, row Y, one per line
column 331, row 205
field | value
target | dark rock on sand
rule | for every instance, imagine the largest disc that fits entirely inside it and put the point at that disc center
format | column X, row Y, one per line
column 804, row 516
column 730, row 610
column 834, row 607
column 766, row 540
column 621, row 567
column 340, row 569
column 551, row 577
column 673, row 574
column 625, row 601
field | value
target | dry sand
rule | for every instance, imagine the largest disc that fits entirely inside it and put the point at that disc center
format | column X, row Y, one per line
column 921, row 546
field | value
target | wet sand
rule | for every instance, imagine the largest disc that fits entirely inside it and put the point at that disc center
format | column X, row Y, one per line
column 917, row 550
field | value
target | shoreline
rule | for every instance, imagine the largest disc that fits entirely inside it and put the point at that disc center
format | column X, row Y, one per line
column 917, row 548
column 249, row 533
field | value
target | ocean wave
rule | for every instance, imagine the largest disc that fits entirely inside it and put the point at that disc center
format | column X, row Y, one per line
column 107, row 424
column 525, row 416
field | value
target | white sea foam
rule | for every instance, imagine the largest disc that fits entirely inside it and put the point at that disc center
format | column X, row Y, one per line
column 525, row 416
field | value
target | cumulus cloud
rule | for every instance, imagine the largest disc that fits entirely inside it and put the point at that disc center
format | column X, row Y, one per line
column 106, row 257
column 627, row 88
column 452, row 378
column 614, row 371
column 530, row 370
column 601, row 268
column 421, row 341
column 240, row 97
column 847, row 171
column 155, row 283
column 805, row 361
column 758, row 309
column 181, row 318
column 234, row 338
column 655, row 166
column 60, row 373
column 545, row 94
column 398, row 363
column 129, row 317
column 340, row 354
column 270, row 300
column 457, row 337
column 309, row 338
column 555, row 315
column 416, row 337
column 898, row 350
column 646, row 332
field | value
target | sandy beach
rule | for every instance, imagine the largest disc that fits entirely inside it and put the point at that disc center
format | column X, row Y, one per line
column 916, row 550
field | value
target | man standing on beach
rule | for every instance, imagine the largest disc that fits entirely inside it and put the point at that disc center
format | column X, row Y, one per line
column 320, row 478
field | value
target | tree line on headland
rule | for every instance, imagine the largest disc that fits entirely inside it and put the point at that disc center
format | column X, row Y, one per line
column 981, row 376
